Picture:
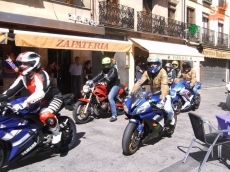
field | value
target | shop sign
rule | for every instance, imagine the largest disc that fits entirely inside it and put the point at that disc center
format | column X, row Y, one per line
column 216, row 54
column 81, row 44
column 184, row 58
column 81, row 19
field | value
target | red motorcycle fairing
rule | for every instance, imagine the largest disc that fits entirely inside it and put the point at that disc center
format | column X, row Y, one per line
column 84, row 100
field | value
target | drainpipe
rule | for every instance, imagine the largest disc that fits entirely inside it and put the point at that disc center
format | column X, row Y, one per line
column 182, row 14
column 227, row 65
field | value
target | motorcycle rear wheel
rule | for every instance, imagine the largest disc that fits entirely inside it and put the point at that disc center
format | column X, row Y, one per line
column 78, row 113
column 228, row 102
column 69, row 136
column 130, row 140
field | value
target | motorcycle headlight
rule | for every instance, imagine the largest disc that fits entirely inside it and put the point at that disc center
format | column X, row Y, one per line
column 86, row 88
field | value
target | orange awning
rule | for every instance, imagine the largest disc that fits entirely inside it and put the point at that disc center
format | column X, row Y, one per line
column 57, row 41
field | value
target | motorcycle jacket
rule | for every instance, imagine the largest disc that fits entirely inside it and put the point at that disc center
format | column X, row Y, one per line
column 158, row 81
column 189, row 76
column 171, row 76
column 177, row 70
column 39, row 85
column 111, row 77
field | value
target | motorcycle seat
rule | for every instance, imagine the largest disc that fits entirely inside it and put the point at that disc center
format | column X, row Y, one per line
column 67, row 98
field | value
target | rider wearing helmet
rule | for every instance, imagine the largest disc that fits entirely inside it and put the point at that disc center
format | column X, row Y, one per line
column 171, row 73
column 175, row 66
column 38, row 83
column 110, row 74
column 189, row 74
column 158, row 81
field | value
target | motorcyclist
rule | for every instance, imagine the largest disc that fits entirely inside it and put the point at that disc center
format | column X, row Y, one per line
column 110, row 75
column 175, row 65
column 158, row 81
column 171, row 73
column 189, row 74
column 38, row 83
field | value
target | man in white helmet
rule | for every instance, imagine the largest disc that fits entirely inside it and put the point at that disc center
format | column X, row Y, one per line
column 38, row 83
column 158, row 81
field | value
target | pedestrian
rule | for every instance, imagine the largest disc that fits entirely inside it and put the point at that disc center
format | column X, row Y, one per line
column 75, row 70
column 139, row 71
column 53, row 71
column 9, row 71
column 87, row 71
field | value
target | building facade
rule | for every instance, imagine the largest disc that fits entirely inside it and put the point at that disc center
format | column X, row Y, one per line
column 173, row 22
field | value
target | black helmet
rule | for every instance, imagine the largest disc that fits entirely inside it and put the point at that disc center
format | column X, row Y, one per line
column 186, row 65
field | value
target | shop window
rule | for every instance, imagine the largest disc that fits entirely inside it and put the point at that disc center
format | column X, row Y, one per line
column 205, row 21
column 85, row 3
column 220, row 27
column 222, row 2
column 190, row 16
column 171, row 11
column 147, row 6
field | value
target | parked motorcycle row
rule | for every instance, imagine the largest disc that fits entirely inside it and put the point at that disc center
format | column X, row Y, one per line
column 22, row 135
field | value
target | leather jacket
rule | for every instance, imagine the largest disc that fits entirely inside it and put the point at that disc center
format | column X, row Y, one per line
column 111, row 77
column 189, row 76
column 158, row 81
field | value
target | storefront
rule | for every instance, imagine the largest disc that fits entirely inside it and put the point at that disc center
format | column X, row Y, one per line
column 215, row 67
column 168, row 52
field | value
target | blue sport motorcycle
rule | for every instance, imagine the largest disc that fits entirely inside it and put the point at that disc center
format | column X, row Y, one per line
column 23, row 135
column 146, row 121
column 181, row 93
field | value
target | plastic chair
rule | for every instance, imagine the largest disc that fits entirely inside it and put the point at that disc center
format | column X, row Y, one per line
column 211, row 139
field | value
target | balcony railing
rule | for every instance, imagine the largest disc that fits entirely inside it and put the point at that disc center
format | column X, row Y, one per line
column 208, row 36
column 116, row 15
column 222, row 39
column 148, row 22
column 194, row 35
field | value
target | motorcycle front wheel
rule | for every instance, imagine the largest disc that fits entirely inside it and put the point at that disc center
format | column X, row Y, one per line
column 69, row 134
column 2, row 157
column 130, row 140
column 78, row 113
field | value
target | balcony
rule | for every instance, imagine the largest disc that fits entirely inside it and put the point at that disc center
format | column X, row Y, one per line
column 208, row 36
column 148, row 22
column 208, row 1
column 222, row 39
column 116, row 15
column 193, row 33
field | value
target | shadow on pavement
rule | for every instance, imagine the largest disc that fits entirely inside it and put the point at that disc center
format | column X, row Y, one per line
column 223, row 106
column 200, row 154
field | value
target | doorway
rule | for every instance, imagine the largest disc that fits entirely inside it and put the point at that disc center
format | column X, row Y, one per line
column 63, row 60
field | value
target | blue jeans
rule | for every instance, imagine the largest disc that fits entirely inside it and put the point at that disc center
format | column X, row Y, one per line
column 113, row 92
column 194, row 89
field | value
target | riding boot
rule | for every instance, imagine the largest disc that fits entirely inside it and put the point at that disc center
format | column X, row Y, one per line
column 56, row 134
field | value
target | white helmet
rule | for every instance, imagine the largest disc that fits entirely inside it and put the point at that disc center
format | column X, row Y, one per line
column 28, row 61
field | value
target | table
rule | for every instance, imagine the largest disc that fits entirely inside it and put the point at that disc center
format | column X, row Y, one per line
column 223, row 123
